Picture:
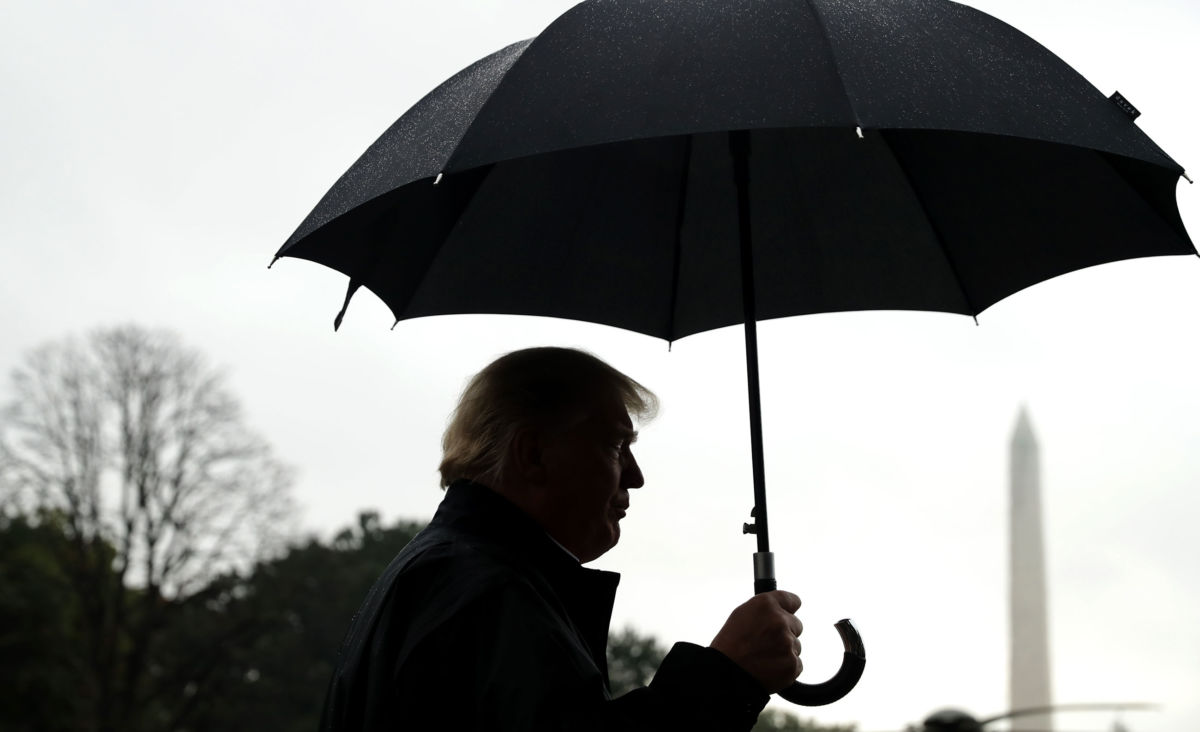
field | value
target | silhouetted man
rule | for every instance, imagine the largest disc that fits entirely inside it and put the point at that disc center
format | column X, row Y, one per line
column 488, row 621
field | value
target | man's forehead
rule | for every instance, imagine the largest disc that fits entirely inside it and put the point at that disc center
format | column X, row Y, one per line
column 626, row 429
column 610, row 414
column 610, row 427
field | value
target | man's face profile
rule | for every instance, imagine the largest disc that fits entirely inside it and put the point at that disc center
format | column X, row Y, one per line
column 589, row 469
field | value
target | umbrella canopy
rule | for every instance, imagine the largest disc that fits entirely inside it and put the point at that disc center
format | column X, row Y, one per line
column 671, row 167
column 907, row 154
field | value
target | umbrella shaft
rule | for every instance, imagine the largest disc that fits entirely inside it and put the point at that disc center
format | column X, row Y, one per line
column 739, row 147
column 756, row 440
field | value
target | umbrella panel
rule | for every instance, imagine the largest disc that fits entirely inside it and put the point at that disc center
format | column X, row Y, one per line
column 1014, row 213
column 617, row 70
column 643, row 235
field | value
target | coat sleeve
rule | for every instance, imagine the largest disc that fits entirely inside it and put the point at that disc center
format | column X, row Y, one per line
column 508, row 662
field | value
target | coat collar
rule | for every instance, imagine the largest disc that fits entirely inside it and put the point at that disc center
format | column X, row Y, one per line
column 587, row 595
column 478, row 510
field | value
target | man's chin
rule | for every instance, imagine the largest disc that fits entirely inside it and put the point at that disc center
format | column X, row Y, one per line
column 604, row 548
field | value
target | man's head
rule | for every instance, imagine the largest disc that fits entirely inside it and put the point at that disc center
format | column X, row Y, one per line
column 550, row 429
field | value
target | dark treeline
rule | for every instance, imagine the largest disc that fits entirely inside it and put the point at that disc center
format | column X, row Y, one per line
column 249, row 651
column 144, row 583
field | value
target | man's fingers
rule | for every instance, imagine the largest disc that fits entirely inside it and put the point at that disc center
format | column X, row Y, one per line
column 761, row 637
column 786, row 600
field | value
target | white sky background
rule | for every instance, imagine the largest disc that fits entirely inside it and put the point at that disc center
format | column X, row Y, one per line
column 155, row 155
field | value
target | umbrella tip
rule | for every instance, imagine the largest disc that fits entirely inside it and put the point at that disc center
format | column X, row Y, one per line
column 395, row 324
column 1185, row 177
column 276, row 259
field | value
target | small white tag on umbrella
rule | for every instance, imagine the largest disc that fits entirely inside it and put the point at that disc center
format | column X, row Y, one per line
column 1129, row 110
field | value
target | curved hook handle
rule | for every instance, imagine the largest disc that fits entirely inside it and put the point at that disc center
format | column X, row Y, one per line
column 854, row 659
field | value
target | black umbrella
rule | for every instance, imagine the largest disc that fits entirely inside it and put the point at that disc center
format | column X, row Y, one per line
column 674, row 167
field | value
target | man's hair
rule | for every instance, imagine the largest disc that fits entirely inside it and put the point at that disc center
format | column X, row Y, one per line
column 530, row 388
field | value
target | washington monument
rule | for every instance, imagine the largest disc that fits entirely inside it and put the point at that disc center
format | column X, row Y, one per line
column 1029, row 660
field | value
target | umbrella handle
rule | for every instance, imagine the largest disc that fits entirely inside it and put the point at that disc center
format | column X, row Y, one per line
column 854, row 656
column 854, row 659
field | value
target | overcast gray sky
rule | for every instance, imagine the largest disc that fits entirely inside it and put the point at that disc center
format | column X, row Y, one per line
column 155, row 155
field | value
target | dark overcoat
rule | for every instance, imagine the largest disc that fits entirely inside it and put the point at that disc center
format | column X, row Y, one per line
column 483, row 623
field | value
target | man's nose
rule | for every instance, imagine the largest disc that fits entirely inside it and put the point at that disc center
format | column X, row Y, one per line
column 631, row 474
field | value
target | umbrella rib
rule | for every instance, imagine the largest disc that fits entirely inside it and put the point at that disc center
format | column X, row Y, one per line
column 1108, row 159
column 937, row 234
column 466, row 130
column 681, row 206
column 837, row 69
column 680, row 211
column 450, row 214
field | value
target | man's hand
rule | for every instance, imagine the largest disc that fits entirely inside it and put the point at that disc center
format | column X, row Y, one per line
column 762, row 636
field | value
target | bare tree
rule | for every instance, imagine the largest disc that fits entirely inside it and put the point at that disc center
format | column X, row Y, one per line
column 136, row 446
